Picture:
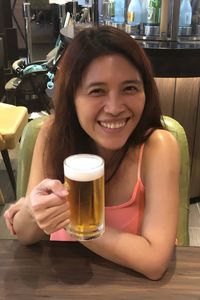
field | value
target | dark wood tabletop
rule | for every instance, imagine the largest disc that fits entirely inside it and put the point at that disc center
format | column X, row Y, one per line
column 67, row 270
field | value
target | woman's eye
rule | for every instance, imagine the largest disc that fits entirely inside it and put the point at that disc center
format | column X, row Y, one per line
column 131, row 89
column 97, row 92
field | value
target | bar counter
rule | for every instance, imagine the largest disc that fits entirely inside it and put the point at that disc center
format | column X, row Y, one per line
column 67, row 270
column 173, row 59
column 169, row 58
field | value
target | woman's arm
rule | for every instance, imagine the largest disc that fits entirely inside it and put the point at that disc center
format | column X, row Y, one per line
column 150, row 252
column 44, row 209
column 36, row 174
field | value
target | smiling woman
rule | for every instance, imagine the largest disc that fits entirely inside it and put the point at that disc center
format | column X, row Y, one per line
column 106, row 103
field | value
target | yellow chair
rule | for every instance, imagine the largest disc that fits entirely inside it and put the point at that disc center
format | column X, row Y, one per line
column 12, row 122
column 26, row 150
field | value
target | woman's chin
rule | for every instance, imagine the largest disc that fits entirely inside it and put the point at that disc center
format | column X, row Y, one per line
column 112, row 147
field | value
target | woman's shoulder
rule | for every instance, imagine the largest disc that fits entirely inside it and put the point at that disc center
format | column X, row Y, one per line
column 161, row 146
column 161, row 152
column 161, row 138
column 48, row 122
column 46, row 126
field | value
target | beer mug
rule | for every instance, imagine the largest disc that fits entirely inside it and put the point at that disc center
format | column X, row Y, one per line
column 84, row 179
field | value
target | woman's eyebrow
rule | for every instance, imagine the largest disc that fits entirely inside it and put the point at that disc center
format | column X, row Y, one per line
column 135, row 81
column 95, row 83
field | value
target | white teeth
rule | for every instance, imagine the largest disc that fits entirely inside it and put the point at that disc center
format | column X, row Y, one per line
column 113, row 125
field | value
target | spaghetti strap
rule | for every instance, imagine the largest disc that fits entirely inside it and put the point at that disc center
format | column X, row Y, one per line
column 140, row 161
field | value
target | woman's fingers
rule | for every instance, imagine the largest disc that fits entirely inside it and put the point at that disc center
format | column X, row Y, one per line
column 48, row 193
column 48, row 215
column 49, row 206
column 10, row 227
column 49, row 186
column 58, row 222
column 8, row 216
column 10, row 213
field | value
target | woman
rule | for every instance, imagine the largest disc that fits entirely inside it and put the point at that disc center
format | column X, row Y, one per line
column 106, row 103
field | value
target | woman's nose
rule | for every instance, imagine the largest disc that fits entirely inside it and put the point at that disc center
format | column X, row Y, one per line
column 114, row 104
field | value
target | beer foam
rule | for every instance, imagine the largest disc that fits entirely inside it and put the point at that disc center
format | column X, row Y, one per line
column 83, row 167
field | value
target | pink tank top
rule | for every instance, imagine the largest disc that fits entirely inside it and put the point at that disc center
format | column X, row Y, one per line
column 126, row 217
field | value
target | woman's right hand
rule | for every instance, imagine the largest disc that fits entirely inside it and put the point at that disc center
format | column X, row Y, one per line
column 48, row 205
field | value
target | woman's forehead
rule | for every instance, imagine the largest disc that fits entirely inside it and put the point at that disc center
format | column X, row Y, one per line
column 116, row 63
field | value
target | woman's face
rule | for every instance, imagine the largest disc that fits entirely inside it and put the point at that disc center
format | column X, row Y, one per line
column 110, row 101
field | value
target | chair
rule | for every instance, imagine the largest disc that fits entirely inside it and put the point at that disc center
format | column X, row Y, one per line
column 26, row 150
column 12, row 122
column 183, row 223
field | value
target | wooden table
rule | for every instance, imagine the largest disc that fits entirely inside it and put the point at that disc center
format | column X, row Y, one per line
column 67, row 270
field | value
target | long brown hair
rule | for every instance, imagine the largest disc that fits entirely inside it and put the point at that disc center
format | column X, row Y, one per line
column 66, row 136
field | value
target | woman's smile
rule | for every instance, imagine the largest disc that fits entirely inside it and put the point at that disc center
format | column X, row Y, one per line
column 115, row 124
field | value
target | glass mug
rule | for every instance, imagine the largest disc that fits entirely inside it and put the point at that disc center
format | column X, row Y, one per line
column 84, row 178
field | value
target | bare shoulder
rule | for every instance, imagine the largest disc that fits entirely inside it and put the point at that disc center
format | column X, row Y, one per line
column 162, row 149
column 43, row 134
column 46, row 126
column 163, row 138
column 49, row 121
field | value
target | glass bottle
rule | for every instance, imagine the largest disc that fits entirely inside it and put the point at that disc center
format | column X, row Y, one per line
column 144, row 11
column 185, row 16
column 134, row 13
column 105, row 11
column 112, row 9
column 153, row 12
column 119, row 9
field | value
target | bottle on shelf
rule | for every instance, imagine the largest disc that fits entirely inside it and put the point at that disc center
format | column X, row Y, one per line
column 112, row 9
column 153, row 12
column 134, row 13
column 105, row 11
column 119, row 11
column 152, row 26
column 144, row 11
column 100, row 13
column 143, row 16
column 185, row 16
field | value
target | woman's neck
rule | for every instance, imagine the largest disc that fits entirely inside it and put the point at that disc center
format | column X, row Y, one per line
column 113, row 159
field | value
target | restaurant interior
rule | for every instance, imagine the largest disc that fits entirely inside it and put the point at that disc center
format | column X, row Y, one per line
column 29, row 34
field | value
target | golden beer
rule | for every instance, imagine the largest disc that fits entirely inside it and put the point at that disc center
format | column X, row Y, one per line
column 84, row 177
